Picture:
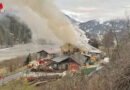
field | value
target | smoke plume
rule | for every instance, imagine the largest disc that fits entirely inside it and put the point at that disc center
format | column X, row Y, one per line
column 43, row 18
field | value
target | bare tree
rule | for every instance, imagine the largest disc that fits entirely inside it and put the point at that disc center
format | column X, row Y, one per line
column 108, row 40
column 117, row 43
column 128, row 23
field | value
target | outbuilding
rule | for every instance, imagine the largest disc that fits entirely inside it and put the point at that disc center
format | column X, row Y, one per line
column 48, row 53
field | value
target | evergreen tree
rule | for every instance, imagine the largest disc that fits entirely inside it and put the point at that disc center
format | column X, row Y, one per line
column 28, row 60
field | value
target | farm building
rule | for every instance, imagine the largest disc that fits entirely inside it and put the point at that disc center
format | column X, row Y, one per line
column 48, row 53
column 72, row 62
column 68, row 49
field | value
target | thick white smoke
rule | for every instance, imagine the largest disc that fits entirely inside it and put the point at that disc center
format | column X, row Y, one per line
column 43, row 18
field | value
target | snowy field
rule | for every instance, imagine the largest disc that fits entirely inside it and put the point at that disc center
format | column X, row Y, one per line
column 21, row 50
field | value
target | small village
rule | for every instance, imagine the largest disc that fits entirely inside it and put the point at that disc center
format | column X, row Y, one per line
column 68, row 59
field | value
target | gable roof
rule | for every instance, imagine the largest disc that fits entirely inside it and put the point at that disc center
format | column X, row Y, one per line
column 78, row 58
column 50, row 51
column 60, row 59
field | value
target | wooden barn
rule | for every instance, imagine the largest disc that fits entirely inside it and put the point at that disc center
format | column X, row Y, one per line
column 48, row 53
column 72, row 62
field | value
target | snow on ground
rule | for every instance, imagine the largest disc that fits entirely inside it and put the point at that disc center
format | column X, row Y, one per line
column 21, row 50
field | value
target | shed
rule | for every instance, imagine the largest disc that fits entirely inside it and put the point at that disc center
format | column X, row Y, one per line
column 41, row 54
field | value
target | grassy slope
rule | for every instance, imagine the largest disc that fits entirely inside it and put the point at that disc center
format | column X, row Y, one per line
column 19, row 84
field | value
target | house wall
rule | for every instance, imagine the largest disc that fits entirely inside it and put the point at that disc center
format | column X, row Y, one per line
column 73, row 66
column 68, row 65
column 42, row 55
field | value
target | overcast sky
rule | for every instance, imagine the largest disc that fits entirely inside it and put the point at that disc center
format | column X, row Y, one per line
column 84, row 10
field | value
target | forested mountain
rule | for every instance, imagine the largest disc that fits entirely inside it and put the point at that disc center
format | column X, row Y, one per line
column 13, row 32
column 94, row 27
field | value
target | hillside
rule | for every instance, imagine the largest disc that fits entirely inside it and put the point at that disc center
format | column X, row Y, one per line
column 95, row 28
column 13, row 32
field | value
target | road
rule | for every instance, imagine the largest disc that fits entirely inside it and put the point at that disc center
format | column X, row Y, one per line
column 11, row 77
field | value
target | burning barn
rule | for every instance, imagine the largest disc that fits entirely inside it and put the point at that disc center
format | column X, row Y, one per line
column 69, row 49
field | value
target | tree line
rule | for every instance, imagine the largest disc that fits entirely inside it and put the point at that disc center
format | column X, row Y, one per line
column 13, row 32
